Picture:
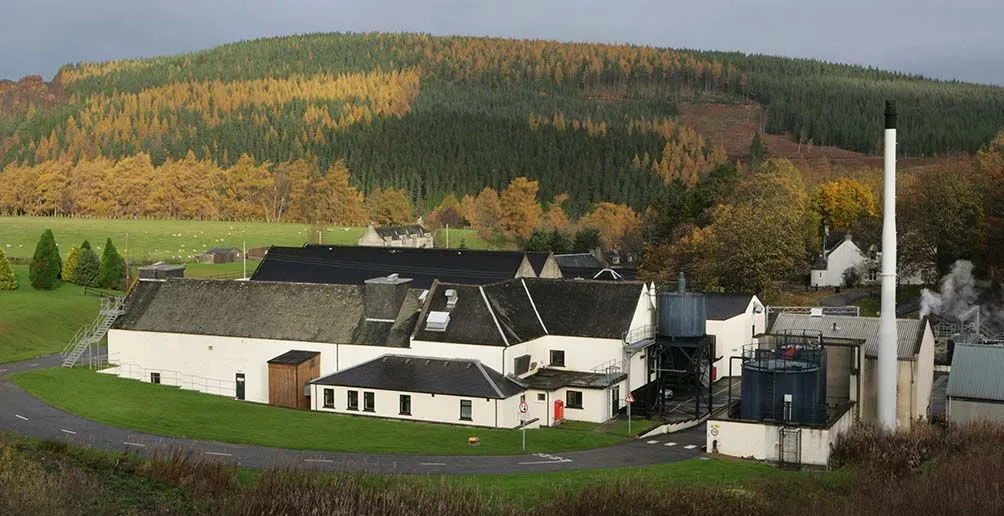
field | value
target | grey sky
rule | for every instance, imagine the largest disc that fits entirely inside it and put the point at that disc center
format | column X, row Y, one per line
column 961, row 39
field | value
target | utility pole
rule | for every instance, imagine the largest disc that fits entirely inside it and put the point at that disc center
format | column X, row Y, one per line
column 245, row 257
column 447, row 236
column 127, row 260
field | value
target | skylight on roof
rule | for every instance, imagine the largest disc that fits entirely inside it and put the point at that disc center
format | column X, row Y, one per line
column 437, row 321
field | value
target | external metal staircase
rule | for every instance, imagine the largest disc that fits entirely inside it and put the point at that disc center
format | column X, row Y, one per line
column 111, row 308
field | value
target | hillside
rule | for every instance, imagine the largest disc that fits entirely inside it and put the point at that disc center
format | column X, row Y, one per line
column 435, row 115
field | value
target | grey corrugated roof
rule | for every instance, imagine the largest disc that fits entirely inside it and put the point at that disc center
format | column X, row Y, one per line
column 721, row 307
column 294, row 357
column 910, row 331
column 264, row 310
column 454, row 377
column 977, row 372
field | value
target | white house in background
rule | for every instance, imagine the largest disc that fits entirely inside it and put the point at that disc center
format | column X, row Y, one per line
column 915, row 352
column 976, row 384
column 413, row 235
column 734, row 319
column 840, row 253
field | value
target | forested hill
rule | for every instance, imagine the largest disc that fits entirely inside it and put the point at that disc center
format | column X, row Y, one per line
column 455, row 114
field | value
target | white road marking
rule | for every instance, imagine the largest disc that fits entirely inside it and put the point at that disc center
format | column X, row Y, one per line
column 670, row 444
column 539, row 462
column 652, row 442
column 690, row 446
column 134, row 444
column 19, row 416
column 317, row 460
column 3, row 370
column 33, row 365
column 71, row 432
column 432, row 463
column 220, row 454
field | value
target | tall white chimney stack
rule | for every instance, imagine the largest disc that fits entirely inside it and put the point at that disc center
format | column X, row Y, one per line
column 888, row 334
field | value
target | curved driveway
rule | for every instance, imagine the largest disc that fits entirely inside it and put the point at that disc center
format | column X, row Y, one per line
column 21, row 413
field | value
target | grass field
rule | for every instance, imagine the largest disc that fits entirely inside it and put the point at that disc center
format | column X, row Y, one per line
column 172, row 412
column 37, row 322
column 176, row 240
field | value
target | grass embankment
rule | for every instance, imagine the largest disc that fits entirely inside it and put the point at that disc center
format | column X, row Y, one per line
column 40, row 322
column 164, row 410
column 177, row 240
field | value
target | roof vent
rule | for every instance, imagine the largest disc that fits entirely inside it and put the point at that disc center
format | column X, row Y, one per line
column 835, row 327
column 392, row 276
column 816, row 312
column 437, row 321
column 422, row 296
column 451, row 298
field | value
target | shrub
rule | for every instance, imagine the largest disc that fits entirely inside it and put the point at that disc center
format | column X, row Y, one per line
column 70, row 265
column 88, row 266
column 112, row 271
column 8, row 281
column 46, row 264
column 852, row 277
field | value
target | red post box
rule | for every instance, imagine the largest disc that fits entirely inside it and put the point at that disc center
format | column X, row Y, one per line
column 559, row 410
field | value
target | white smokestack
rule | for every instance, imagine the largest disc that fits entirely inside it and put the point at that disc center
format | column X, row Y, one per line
column 887, row 335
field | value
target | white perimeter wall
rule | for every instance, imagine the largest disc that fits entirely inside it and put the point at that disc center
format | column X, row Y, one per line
column 438, row 408
column 761, row 441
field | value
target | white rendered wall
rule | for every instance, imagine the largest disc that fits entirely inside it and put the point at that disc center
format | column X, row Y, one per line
column 491, row 356
column 435, row 408
column 840, row 259
column 734, row 333
column 760, row 441
column 924, row 374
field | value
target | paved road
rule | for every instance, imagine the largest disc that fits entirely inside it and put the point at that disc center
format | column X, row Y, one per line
column 23, row 414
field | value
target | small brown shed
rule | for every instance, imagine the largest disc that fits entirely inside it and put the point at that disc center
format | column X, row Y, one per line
column 220, row 255
column 288, row 376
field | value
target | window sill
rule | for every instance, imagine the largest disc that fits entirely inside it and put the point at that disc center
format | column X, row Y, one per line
column 466, row 419
column 404, row 413
column 328, row 406
column 369, row 410
column 579, row 407
column 356, row 409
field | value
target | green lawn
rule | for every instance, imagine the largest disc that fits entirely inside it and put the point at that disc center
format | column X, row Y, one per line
column 216, row 270
column 172, row 412
column 39, row 322
column 176, row 240
column 618, row 427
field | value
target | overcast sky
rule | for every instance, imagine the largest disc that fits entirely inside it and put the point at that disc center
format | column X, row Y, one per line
column 961, row 39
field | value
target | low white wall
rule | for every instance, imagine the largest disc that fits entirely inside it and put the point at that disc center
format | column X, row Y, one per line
column 435, row 408
column 760, row 440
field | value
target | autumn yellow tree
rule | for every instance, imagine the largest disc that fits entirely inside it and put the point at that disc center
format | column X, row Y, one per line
column 448, row 213
column 842, row 204
column 390, row 207
column 485, row 214
column 520, row 211
column 618, row 224
column 246, row 188
column 556, row 218
column 332, row 198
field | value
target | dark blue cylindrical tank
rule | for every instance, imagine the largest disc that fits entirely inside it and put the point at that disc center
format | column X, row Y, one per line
column 767, row 381
column 682, row 315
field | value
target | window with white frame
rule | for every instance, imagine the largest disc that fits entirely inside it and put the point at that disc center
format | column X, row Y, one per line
column 558, row 358
column 369, row 402
column 353, row 402
column 405, row 405
column 329, row 398
column 573, row 399
column 466, row 414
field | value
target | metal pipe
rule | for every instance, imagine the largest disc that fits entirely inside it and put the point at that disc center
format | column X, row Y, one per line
column 887, row 334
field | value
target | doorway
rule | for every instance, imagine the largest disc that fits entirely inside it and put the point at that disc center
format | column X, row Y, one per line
column 240, row 386
column 615, row 400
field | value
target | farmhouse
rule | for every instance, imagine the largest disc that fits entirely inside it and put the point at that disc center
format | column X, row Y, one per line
column 915, row 352
column 413, row 235
column 352, row 265
column 841, row 252
column 976, row 384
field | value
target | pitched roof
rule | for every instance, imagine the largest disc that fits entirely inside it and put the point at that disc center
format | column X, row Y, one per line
column 579, row 260
column 471, row 320
column 550, row 379
column 221, row 250
column 396, row 232
column 585, row 308
column 454, row 377
column 604, row 273
column 977, row 372
column 910, row 331
column 353, row 265
column 721, row 307
column 294, row 357
column 264, row 310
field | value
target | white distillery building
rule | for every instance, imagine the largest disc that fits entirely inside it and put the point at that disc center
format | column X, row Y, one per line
column 734, row 320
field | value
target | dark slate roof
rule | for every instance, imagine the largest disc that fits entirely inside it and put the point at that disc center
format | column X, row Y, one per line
column 721, row 307
column 514, row 310
column 471, row 320
column 453, row 377
column 551, row 379
column 294, row 357
column 264, row 310
column 353, row 265
column 396, row 232
column 221, row 250
column 977, row 372
column 605, row 274
column 537, row 261
column 585, row 308
column 578, row 260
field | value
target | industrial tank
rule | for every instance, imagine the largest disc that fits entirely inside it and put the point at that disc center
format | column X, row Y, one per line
column 682, row 314
column 787, row 384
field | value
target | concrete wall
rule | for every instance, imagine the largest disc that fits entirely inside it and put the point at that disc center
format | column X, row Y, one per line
column 962, row 410
column 908, row 392
column 761, row 441
column 438, row 408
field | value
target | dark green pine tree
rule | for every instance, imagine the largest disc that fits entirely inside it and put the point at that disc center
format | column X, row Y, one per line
column 758, row 151
column 538, row 241
column 46, row 265
column 559, row 242
column 88, row 266
column 112, row 271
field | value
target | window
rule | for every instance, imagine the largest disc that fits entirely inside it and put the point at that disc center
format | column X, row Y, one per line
column 154, row 377
column 405, row 405
column 465, row 410
column 329, row 398
column 353, row 400
column 872, row 275
column 557, row 358
column 521, row 364
column 368, row 401
column 573, row 399
column 541, row 396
